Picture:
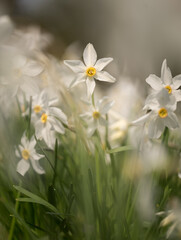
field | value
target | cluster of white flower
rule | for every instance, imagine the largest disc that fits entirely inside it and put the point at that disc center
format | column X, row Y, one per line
column 161, row 103
column 88, row 72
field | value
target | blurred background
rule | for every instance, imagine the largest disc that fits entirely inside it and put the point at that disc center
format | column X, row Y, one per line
column 138, row 34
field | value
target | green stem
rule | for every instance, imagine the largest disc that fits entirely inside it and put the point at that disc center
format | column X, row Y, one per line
column 10, row 237
column 93, row 101
column 165, row 136
column 55, row 165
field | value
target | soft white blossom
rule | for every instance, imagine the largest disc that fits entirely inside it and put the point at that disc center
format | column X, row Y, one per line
column 90, row 69
column 160, row 114
column 50, row 122
column 96, row 116
column 166, row 81
column 28, row 155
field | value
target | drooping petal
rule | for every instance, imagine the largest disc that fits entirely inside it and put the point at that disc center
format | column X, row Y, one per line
column 36, row 156
column 76, row 66
column 32, row 68
column 102, row 63
column 103, row 121
column 58, row 113
column 89, row 55
column 154, row 82
column 104, row 105
column 104, row 76
column 171, row 121
column 22, row 167
column 156, row 127
column 166, row 75
column 57, row 125
column 177, row 81
column 49, row 136
column 142, row 119
column 91, row 129
column 36, row 166
column 90, row 82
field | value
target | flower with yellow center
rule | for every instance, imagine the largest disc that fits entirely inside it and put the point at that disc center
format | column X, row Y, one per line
column 96, row 115
column 163, row 112
column 37, row 108
column 90, row 69
column 165, row 81
column 44, row 117
column 160, row 115
column 25, row 154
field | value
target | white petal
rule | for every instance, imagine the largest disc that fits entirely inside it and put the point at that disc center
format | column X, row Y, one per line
column 177, row 81
column 104, row 76
column 154, row 82
column 177, row 94
column 79, row 79
column 36, row 166
column 32, row 68
column 17, row 153
column 91, row 129
column 22, row 167
column 57, row 125
column 103, row 121
column 76, row 66
column 36, row 156
column 49, row 137
column 89, row 55
column 142, row 119
column 156, row 127
column 104, row 105
column 90, row 82
column 19, row 61
column 102, row 63
column 171, row 121
column 166, row 75
column 57, row 112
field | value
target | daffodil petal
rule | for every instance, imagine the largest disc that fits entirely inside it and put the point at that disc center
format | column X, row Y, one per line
column 36, row 166
column 154, row 82
column 22, row 167
column 105, row 77
column 166, row 75
column 90, row 86
column 102, row 63
column 156, row 127
column 89, row 55
column 76, row 66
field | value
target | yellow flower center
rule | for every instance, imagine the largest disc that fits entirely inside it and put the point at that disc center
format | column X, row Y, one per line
column 96, row 115
column 163, row 113
column 37, row 108
column 25, row 154
column 44, row 118
column 169, row 89
column 91, row 71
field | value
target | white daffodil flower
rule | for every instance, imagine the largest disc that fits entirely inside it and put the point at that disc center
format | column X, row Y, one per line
column 50, row 122
column 28, row 154
column 95, row 117
column 166, row 81
column 40, row 103
column 91, row 69
column 24, row 75
column 161, row 114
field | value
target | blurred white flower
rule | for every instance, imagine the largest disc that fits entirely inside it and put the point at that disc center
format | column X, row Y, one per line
column 166, row 81
column 6, row 28
column 28, row 154
column 95, row 117
column 91, row 69
column 50, row 122
column 160, row 115
column 23, row 75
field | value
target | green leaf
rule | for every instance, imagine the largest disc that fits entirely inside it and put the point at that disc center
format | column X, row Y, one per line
column 120, row 149
column 35, row 199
